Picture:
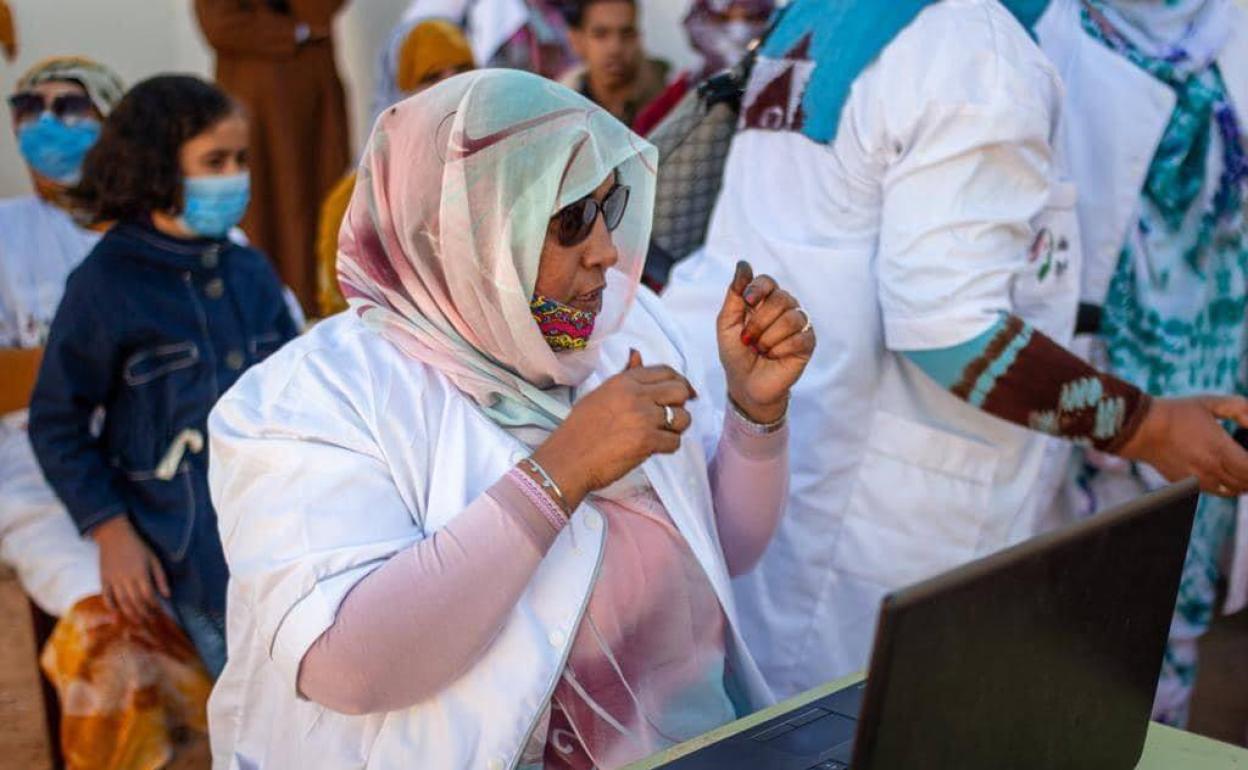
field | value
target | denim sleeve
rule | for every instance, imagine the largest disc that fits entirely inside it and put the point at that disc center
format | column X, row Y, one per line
column 79, row 367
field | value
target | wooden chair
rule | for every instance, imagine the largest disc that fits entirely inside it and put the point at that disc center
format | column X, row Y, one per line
column 21, row 368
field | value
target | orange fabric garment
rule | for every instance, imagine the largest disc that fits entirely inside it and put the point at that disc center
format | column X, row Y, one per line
column 8, row 31
column 329, row 299
column 125, row 690
column 299, row 138
column 431, row 47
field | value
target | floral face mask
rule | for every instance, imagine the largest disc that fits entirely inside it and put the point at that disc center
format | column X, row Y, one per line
column 564, row 327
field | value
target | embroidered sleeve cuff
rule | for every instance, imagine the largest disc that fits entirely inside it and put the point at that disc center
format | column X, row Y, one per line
column 1130, row 426
column 1017, row 373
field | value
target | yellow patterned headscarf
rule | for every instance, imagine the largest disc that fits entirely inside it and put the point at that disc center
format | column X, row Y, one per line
column 431, row 47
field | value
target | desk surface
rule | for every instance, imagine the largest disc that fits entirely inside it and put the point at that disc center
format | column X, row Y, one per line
column 1165, row 748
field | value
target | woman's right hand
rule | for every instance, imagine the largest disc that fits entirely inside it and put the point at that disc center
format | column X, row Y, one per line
column 130, row 573
column 1184, row 437
column 616, row 428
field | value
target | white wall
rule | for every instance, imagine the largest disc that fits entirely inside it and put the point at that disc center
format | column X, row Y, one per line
column 140, row 38
column 136, row 37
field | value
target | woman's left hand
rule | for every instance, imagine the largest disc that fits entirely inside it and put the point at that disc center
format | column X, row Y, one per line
column 765, row 343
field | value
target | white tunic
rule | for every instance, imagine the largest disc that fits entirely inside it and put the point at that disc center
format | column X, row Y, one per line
column 336, row 453
column 39, row 245
column 911, row 231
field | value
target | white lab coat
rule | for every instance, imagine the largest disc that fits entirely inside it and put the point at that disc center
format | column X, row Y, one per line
column 339, row 451
column 911, row 231
column 1113, row 121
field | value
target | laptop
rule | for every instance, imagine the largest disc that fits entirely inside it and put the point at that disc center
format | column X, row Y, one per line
column 1045, row 655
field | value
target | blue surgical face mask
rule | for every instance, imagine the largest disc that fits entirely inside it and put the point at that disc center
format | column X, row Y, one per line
column 54, row 148
column 214, row 204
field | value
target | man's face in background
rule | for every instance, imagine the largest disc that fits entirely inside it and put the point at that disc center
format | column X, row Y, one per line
column 609, row 42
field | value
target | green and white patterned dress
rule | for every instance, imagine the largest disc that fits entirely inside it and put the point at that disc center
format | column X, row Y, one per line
column 1174, row 317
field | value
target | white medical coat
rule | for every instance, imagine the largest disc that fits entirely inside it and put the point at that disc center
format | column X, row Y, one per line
column 912, row 230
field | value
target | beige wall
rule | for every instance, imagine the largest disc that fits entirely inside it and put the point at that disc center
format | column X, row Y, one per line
column 143, row 37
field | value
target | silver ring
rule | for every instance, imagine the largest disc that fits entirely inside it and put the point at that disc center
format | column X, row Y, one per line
column 805, row 315
column 669, row 417
column 1224, row 490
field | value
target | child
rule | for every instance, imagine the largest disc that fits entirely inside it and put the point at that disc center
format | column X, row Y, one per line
column 159, row 320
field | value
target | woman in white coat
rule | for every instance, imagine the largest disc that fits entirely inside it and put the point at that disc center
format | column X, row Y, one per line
column 896, row 166
column 1156, row 104
column 481, row 520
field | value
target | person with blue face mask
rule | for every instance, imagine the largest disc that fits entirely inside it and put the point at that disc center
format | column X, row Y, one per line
column 162, row 317
column 55, row 143
column 57, row 109
column 42, row 238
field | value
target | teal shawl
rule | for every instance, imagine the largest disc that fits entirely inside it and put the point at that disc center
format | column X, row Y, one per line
column 846, row 36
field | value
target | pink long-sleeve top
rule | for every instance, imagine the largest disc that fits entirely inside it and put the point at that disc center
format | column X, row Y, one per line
column 653, row 633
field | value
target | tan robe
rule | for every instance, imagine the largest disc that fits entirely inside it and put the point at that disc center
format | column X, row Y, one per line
column 8, row 32
column 299, row 141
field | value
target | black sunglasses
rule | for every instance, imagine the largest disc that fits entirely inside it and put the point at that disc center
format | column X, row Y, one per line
column 28, row 104
column 575, row 222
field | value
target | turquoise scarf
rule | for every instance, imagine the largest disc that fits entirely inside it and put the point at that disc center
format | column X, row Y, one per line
column 846, row 36
column 1174, row 313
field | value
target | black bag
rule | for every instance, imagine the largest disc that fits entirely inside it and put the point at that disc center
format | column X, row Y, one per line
column 693, row 142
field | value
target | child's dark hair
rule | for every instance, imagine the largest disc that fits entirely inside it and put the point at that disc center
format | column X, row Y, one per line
column 574, row 10
column 134, row 168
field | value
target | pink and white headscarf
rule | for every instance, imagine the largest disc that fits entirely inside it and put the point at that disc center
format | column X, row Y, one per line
column 442, row 241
